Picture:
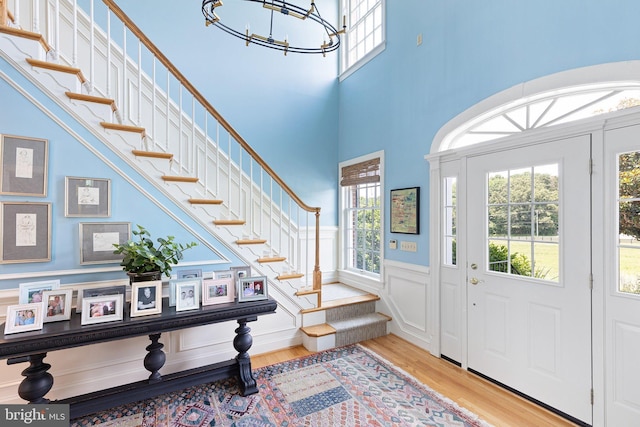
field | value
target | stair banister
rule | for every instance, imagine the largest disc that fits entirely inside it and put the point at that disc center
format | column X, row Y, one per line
column 317, row 274
column 4, row 18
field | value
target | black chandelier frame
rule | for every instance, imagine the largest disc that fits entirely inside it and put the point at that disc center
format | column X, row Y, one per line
column 285, row 8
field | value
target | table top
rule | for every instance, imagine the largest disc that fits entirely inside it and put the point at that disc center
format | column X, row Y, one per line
column 71, row 333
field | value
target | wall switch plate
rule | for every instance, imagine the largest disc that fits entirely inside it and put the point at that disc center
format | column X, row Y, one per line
column 393, row 244
column 409, row 246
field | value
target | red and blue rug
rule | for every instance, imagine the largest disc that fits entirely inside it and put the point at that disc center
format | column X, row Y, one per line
column 349, row 386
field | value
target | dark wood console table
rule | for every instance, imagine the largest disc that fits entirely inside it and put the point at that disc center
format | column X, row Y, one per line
column 32, row 347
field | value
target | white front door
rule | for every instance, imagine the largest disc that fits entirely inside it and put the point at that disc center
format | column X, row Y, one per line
column 622, row 276
column 528, row 271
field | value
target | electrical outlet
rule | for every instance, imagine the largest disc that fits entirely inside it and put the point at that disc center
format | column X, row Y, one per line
column 409, row 246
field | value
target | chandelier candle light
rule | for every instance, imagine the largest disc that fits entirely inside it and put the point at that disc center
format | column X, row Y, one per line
column 311, row 15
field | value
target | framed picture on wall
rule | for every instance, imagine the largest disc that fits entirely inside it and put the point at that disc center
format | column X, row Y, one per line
column 97, row 240
column 24, row 165
column 87, row 197
column 405, row 210
column 25, row 228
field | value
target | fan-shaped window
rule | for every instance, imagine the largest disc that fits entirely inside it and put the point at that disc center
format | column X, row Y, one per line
column 542, row 110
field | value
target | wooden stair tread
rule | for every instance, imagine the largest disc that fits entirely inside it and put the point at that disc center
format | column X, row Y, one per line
column 172, row 178
column 318, row 330
column 272, row 259
column 26, row 34
column 205, row 201
column 57, row 67
column 153, row 154
column 290, row 276
column 91, row 98
column 126, row 128
column 307, row 291
column 250, row 241
column 341, row 302
column 229, row 221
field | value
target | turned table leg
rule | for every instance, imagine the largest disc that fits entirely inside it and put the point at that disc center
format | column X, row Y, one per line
column 37, row 381
column 154, row 360
column 242, row 343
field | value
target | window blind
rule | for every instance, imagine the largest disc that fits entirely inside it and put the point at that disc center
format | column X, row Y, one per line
column 361, row 173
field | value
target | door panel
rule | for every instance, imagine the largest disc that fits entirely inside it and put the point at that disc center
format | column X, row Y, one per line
column 529, row 298
column 622, row 289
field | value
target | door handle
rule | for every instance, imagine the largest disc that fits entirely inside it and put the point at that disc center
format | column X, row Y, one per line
column 475, row 281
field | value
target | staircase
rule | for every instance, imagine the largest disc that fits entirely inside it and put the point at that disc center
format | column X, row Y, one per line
column 345, row 316
column 192, row 155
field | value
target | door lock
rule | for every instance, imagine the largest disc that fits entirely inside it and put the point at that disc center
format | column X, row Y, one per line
column 475, row 281
column 474, row 266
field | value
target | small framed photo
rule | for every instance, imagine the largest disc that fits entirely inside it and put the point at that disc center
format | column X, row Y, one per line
column 224, row 274
column 33, row 291
column 24, row 166
column 188, row 294
column 98, row 291
column 253, row 288
column 26, row 232
column 105, row 308
column 97, row 240
column 240, row 272
column 88, row 197
column 58, row 305
column 217, row 291
column 23, row 318
column 196, row 281
column 405, row 210
column 146, row 298
column 189, row 274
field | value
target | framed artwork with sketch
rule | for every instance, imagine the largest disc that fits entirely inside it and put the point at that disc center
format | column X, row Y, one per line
column 87, row 197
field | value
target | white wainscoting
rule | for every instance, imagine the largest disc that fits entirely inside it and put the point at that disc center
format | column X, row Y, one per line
column 406, row 296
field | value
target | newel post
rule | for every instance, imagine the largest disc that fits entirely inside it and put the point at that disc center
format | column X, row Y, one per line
column 317, row 274
column 3, row 12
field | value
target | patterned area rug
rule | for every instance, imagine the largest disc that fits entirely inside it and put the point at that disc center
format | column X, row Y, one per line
column 348, row 386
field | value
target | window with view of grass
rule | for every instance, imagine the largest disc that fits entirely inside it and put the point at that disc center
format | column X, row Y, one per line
column 522, row 212
column 629, row 222
column 361, row 204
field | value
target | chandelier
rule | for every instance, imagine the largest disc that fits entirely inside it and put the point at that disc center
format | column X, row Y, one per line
column 331, row 35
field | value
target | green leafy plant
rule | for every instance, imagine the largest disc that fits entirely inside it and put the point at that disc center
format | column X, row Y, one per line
column 141, row 255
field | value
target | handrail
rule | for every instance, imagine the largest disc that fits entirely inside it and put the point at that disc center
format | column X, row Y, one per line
column 167, row 63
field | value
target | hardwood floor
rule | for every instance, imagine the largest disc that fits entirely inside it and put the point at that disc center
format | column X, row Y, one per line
column 494, row 404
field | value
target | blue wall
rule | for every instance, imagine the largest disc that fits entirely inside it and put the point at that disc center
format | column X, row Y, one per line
column 69, row 157
column 470, row 51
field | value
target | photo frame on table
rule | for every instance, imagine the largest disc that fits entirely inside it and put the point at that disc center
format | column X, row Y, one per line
column 97, row 240
column 405, row 211
column 218, row 291
column 98, row 291
column 196, row 281
column 24, row 163
column 146, row 298
column 253, row 288
column 33, row 291
column 101, row 309
column 87, row 197
column 188, row 294
column 23, row 318
column 189, row 274
column 223, row 274
column 57, row 304
column 25, row 228
column 240, row 272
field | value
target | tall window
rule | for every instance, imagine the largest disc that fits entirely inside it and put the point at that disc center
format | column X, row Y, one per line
column 449, row 218
column 361, row 207
column 365, row 30
column 629, row 222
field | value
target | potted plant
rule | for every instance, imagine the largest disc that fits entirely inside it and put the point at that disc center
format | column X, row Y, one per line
column 143, row 260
